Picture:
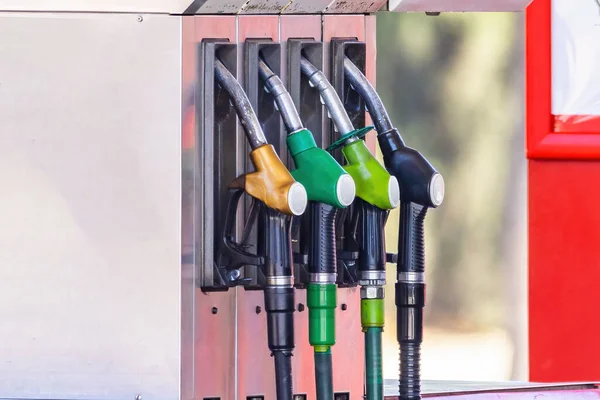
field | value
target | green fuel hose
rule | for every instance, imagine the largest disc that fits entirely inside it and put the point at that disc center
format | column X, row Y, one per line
column 372, row 321
column 324, row 375
column 374, row 380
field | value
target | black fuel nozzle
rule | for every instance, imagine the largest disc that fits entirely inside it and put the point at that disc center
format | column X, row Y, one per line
column 421, row 187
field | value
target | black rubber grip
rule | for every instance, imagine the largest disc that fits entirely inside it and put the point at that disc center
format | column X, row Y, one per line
column 411, row 242
column 371, row 236
column 322, row 252
column 275, row 241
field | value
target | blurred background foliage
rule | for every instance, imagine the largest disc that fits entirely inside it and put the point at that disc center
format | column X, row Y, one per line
column 453, row 85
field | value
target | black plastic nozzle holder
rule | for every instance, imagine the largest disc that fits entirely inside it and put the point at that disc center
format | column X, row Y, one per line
column 305, row 98
column 216, row 125
column 356, row 52
column 262, row 101
column 308, row 104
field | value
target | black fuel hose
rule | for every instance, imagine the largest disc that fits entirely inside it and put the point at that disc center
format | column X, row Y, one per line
column 283, row 374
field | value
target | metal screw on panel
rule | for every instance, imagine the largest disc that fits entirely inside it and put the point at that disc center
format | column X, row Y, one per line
column 138, row 397
column 214, row 310
column 344, row 306
column 300, row 307
column 258, row 309
column 140, row 18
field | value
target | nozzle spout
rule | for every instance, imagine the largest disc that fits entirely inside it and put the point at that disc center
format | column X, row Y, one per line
column 286, row 107
column 361, row 84
column 329, row 97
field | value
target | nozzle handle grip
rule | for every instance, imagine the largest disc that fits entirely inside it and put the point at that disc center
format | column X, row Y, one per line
column 322, row 252
column 410, row 297
column 371, row 236
column 275, row 242
column 231, row 255
column 411, row 241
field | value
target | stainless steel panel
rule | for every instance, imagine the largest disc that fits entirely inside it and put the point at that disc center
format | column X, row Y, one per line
column 255, row 366
column 354, row 7
column 348, row 353
column 90, row 166
column 259, row 6
column 211, row 335
column 307, row 6
column 133, row 6
column 265, row 7
column 219, row 6
column 349, row 350
column 188, row 223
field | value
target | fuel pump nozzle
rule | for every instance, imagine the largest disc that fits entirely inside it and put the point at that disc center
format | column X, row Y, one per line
column 378, row 192
column 280, row 197
column 329, row 188
column 421, row 187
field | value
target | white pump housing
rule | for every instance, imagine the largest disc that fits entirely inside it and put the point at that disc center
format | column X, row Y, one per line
column 260, row 6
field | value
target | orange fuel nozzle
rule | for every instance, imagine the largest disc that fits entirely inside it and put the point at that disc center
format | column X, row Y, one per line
column 272, row 183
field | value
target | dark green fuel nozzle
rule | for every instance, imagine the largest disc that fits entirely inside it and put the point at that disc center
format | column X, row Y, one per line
column 329, row 187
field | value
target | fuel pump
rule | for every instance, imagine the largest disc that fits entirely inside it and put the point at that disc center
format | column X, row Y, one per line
column 422, row 187
column 377, row 193
column 279, row 197
column 329, row 188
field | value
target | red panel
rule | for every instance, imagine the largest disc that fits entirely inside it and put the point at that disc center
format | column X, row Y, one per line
column 577, row 123
column 564, row 270
column 570, row 141
column 564, row 223
column 538, row 73
column 567, row 146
